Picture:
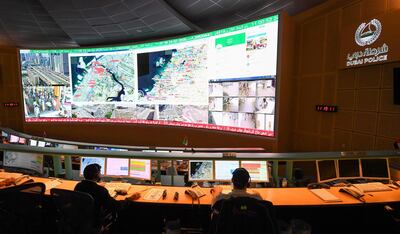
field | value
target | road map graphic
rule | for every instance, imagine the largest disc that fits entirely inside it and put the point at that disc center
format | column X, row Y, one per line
column 103, row 77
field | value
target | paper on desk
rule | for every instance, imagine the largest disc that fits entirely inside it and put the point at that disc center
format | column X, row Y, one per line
column 51, row 184
column 154, row 194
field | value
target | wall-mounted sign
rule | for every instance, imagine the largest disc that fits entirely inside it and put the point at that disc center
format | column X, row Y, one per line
column 371, row 41
column 11, row 104
column 326, row 108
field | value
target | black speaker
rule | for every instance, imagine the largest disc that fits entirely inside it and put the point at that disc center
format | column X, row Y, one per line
column 396, row 86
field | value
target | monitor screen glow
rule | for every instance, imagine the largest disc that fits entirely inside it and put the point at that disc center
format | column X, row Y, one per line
column 117, row 167
column 91, row 160
column 14, row 139
column 41, row 144
column 221, row 80
column 201, row 170
column 140, row 169
column 32, row 142
column 258, row 170
column 22, row 141
column 28, row 161
column 224, row 169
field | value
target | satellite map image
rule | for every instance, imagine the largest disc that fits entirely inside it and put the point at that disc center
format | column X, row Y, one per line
column 107, row 77
column 201, row 170
column 174, row 76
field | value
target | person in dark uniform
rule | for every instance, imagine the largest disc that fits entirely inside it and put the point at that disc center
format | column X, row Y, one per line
column 102, row 199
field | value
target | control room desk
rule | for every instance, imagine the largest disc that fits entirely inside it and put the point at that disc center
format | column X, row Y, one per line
column 278, row 196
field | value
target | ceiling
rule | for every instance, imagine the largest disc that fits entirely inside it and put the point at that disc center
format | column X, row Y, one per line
column 74, row 23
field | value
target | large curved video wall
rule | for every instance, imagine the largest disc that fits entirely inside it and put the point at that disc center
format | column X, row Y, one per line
column 220, row 80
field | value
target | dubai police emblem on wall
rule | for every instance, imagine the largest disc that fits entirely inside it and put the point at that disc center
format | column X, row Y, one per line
column 368, row 33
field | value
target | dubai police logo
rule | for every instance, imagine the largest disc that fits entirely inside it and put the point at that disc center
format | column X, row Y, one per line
column 368, row 33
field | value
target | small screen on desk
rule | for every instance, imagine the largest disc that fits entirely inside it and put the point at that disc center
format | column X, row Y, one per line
column 349, row 168
column 22, row 141
column 91, row 160
column 201, row 170
column 28, row 161
column 14, row 139
column 326, row 170
column 224, row 169
column 117, row 167
column 258, row 170
column 140, row 169
column 32, row 142
column 375, row 168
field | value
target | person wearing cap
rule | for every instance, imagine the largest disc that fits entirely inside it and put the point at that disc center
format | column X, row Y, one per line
column 240, row 181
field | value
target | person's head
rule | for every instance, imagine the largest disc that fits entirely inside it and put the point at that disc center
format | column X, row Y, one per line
column 240, row 178
column 92, row 172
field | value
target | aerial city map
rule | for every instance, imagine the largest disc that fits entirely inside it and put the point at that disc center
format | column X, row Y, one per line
column 220, row 80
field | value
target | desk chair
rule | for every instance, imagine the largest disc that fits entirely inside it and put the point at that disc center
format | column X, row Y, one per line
column 243, row 215
column 22, row 209
column 179, row 180
column 75, row 212
column 166, row 180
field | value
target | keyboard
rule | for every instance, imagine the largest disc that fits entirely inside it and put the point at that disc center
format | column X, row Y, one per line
column 325, row 195
column 372, row 187
column 113, row 186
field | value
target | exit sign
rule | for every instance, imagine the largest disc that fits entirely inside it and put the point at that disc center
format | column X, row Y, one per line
column 326, row 108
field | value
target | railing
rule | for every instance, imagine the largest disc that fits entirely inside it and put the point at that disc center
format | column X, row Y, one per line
column 176, row 153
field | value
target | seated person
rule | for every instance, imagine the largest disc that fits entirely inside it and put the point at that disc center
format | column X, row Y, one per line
column 106, row 207
column 102, row 199
column 240, row 181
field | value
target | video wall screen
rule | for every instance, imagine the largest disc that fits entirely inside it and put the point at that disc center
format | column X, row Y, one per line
column 221, row 80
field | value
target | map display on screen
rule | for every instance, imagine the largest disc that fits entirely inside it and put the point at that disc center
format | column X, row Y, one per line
column 85, row 161
column 220, row 80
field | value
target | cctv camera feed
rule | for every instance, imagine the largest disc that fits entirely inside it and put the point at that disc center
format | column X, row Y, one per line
column 201, row 170
column 85, row 161
column 221, row 80
column 258, row 170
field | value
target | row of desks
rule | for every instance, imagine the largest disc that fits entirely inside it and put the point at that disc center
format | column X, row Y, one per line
column 278, row 196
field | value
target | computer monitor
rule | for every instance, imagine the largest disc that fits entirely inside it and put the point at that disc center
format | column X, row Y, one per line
column 30, row 161
column 258, row 170
column 326, row 170
column 349, row 168
column 32, row 142
column 140, row 169
column 201, row 170
column 91, row 160
column 41, row 144
column 224, row 169
column 4, row 134
column 14, row 139
column 117, row 166
column 22, row 141
column 375, row 168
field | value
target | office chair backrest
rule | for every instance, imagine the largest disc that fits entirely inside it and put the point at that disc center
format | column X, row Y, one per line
column 244, row 215
column 178, row 180
column 36, row 188
column 22, row 209
column 166, row 180
column 75, row 210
